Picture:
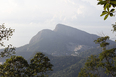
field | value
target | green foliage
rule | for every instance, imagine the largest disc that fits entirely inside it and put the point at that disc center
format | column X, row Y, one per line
column 67, row 70
column 84, row 73
column 17, row 66
column 108, row 6
column 39, row 65
column 114, row 27
column 5, row 34
column 65, row 66
column 91, row 67
column 102, row 42
column 14, row 67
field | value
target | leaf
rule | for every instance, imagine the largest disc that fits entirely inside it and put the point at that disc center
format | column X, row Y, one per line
column 106, row 17
column 108, row 6
column 103, row 13
column 113, row 2
column 105, row 6
column 112, row 10
column 101, row 2
column 111, row 14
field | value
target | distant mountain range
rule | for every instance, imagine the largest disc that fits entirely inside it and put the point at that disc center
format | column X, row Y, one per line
column 61, row 41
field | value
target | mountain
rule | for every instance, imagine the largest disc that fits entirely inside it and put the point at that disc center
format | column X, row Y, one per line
column 63, row 40
column 66, row 33
column 65, row 46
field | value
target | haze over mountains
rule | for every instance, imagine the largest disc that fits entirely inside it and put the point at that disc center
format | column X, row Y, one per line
column 61, row 41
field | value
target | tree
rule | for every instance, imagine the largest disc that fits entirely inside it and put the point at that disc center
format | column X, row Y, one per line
column 14, row 67
column 5, row 34
column 105, row 62
column 91, row 67
column 17, row 66
column 40, row 65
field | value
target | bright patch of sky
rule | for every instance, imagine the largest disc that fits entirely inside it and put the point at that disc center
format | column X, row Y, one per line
column 28, row 17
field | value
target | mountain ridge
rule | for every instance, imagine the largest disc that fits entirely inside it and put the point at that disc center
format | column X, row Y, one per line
column 68, row 32
column 63, row 40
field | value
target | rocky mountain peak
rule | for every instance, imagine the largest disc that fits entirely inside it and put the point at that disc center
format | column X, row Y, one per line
column 61, row 27
column 69, row 31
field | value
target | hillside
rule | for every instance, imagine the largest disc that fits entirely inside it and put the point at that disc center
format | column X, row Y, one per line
column 63, row 63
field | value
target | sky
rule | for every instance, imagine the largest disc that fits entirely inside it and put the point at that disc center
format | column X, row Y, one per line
column 28, row 17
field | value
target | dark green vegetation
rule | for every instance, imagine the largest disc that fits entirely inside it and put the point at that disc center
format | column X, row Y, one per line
column 102, row 64
column 17, row 66
column 63, row 65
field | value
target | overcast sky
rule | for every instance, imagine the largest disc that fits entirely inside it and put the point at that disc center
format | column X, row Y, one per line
column 28, row 17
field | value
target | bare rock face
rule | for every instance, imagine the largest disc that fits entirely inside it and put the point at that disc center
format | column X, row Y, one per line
column 76, row 34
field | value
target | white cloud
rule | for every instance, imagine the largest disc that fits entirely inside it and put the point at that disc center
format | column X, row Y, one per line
column 32, row 16
column 80, row 10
